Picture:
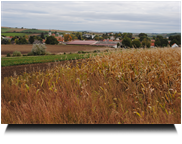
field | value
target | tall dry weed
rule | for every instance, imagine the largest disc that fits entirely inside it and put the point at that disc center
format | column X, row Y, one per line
column 140, row 86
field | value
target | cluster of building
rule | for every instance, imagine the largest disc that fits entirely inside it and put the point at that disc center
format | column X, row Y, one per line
column 110, row 42
column 152, row 45
column 93, row 43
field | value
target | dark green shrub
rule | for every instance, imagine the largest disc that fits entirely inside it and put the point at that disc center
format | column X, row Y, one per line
column 30, row 54
column 95, row 51
column 8, row 55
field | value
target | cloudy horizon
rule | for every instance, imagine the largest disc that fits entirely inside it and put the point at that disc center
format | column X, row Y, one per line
column 135, row 17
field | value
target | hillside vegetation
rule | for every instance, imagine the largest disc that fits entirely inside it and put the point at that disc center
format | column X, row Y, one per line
column 133, row 86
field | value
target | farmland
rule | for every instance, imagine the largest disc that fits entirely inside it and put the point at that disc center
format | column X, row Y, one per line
column 6, row 29
column 55, row 49
column 136, row 86
column 39, row 59
column 33, row 31
column 15, row 34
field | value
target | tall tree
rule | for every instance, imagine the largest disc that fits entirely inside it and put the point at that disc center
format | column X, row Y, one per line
column 127, row 42
column 42, row 35
column 146, row 43
column 31, row 39
column 142, row 34
column 67, row 37
column 136, row 43
column 51, row 40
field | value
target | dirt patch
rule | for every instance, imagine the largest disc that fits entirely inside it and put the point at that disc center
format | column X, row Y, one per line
column 20, row 69
column 55, row 49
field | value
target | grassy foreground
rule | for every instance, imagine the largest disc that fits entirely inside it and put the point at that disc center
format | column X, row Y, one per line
column 135, row 86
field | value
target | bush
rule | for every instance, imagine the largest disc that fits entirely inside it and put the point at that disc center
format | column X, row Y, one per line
column 5, row 41
column 48, row 53
column 16, row 53
column 79, row 52
column 95, row 51
column 39, row 49
column 64, row 53
column 8, row 55
column 30, row 54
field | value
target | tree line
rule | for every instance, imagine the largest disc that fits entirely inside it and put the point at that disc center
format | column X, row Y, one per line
column 127, row 39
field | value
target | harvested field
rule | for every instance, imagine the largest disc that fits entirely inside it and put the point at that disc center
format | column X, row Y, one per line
column 55, row 49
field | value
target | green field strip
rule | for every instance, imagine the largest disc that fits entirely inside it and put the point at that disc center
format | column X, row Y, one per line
column 11, row 61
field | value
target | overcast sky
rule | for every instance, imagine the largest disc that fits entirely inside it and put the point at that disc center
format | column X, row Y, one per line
column 152, row 17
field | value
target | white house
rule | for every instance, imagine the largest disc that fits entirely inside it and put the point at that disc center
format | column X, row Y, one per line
column 88, row 35
column 174, row 45
column 114, row 46
column 112, row 37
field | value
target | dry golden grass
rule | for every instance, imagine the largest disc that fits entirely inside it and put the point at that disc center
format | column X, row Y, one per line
column 132, row 86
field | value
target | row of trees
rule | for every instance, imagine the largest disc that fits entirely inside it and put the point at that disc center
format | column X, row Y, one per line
column 175, row 39
column 127, row 42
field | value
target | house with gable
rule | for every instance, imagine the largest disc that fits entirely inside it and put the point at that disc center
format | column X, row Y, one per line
column 174, row 45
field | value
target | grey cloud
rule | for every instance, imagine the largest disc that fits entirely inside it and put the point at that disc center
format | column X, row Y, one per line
column 101, row 16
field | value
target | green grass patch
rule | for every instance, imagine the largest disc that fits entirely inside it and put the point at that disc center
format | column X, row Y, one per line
column 33, row 31
column 15, row 34
column 6, row 29
column 11, row 61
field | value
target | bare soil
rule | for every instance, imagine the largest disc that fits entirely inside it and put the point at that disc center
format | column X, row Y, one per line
column 55, row 49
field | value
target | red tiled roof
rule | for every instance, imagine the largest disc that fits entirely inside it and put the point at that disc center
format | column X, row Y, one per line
column 81, row 42
column 152, row 44
column 105, row 44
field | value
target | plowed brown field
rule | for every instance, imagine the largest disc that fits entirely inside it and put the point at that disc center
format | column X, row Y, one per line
column 24, row 49
column 55, row 49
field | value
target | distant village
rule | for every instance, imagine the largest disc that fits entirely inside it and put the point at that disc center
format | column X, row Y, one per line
column 114, row 40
